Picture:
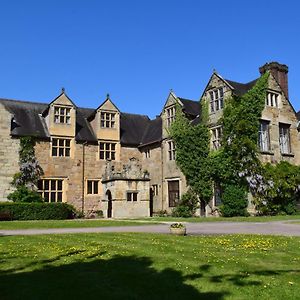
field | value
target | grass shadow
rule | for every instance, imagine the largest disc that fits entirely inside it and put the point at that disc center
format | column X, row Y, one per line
column 120, row 277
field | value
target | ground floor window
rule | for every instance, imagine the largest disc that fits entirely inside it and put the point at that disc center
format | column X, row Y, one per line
column 51, row 189
column 155, row 189
column 93, row 187
column 132, row 196
column 173, row 192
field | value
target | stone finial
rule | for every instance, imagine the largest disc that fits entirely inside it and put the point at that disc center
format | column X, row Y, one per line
column 62, row 90
column 107, row 96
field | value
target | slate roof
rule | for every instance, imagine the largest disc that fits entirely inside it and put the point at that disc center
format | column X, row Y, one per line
column 241, row 88
column 153, row 132
column 191, row 107
column 298, row 115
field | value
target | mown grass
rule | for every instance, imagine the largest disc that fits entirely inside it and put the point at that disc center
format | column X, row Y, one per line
column 222, row 219
column 149, row 266
column 67, row 223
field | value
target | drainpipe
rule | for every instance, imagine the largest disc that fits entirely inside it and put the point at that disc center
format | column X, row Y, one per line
column 83, row 185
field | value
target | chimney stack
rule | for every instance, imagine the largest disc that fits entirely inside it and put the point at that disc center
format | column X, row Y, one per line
column 279, row 71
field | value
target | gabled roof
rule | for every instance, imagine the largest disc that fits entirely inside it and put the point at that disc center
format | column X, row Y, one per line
column 132, row 128
column 27, row 119
column 190, row 107
column 240, row 89
column 153, row 133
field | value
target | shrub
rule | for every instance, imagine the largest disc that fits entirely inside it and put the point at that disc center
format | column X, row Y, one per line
column 37, row 211
column 234, row 201
column 187, row 205
column 24, row 194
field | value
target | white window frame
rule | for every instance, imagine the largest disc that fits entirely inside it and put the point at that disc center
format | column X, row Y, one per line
column 171, row 150
column 171, row 113
column 264, row 136
column 107, row 119
column 216, row 99
column 132, row 196
column 53, row 191
column 108, row 149
column 216, row 137
column 273, row 99
column 284, row 138
column 94, row 185
column 62, row 114
column 60, row 147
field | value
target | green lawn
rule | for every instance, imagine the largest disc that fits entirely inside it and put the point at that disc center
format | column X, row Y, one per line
column 220, row 219
column 67, row 223
column 149, row 266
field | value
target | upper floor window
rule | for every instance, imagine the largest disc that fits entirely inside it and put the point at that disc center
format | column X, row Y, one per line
column 284, row 138
column 171, row 112
column 216, row 134
column 62, row 115
column 147, row 153
column 264, row 136
column 107, row 150
column 51, row 190
column 272, row 99
column 171, row 150
column 107, row 120
column 216, row 99
column 61, row 147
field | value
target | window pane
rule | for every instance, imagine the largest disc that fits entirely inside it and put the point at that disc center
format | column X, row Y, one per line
column 46, row 185
column 67, row 143
column 61, row 152
column 53, row 185
column 134, row 196
column 61, row 142
column 113, row 156
column 128, row 196
column 113, row 147
column 40, row 184
column 53, row 194
column 59, row 197
column 46, row 197
column 89, row 191
column 59, row 185
column 101, row 155
column 54, row 142
column 67, row 152
column 96, row 187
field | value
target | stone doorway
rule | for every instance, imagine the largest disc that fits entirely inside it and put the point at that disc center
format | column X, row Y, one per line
column 109, row 204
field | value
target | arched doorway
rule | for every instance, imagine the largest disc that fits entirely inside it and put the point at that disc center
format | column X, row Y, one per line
column 109, row 204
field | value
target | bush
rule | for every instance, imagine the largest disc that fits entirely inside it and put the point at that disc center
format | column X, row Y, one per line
column 37, row 211
column 234, row 201
column 187, row 205
column 23, row 194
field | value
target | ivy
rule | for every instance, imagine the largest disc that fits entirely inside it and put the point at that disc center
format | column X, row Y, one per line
column 192, row 151
column 26, row 179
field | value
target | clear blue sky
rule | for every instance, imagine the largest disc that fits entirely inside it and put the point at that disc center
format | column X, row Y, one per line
column 138, row 50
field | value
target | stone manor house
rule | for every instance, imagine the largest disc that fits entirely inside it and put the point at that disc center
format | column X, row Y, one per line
column 123, row 163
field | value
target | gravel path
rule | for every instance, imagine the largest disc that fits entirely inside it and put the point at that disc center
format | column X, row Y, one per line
column 286, row 228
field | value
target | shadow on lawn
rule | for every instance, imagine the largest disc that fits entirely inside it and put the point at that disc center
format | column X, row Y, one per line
column 121, row 277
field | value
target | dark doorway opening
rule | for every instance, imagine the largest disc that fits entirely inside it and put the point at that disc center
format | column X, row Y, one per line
column 151, row 202
column 109, row 205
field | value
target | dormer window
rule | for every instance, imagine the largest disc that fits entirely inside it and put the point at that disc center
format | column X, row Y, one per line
column 62, row 115
column 216, row 99
column 171, row 111
column 107, row 120
column 272, row 99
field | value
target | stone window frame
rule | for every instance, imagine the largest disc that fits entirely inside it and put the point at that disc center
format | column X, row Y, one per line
column 170, row 114
column 171, row 150
column 154, row 189
column 216, row 136
column 52, row 189
column 62, row 114
column 147, row 153
column 61, row 147
column 216, row 99
column 273, row 99
column 107, row 119
column 264, row 141
column 285, row 138
column 132, row 196
column 92, row 187
column 107, row 150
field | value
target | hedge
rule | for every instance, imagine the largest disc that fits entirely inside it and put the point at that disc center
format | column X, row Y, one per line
column 36, row 211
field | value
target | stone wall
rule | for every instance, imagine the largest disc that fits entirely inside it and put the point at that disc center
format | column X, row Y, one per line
column 9, row 154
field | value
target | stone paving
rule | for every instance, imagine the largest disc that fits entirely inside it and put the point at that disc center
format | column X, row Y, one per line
column 286, row 228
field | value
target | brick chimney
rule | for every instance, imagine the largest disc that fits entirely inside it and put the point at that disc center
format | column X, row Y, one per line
column 279, row 71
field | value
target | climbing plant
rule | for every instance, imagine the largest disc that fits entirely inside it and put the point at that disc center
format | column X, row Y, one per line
column 30, row 171
column 236, row 163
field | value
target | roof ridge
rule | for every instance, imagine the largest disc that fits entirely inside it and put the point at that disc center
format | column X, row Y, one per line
column 23, row 101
